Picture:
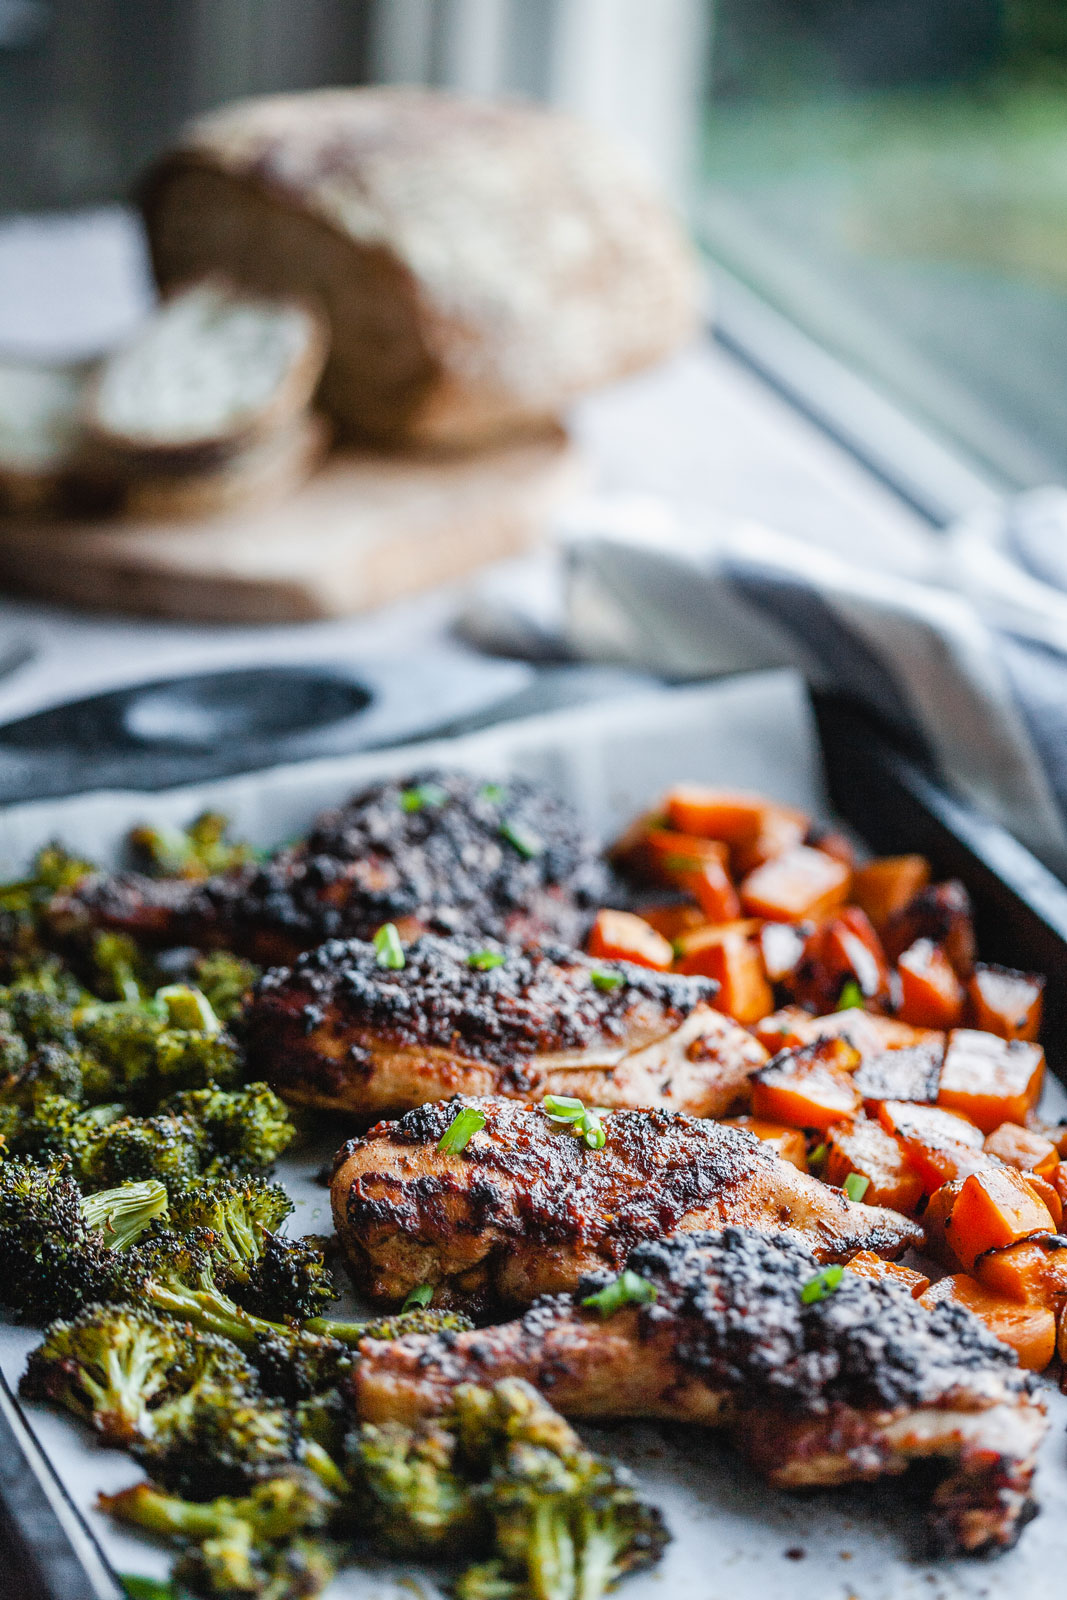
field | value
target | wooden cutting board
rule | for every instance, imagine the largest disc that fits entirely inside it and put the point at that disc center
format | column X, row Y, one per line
column 364, row 530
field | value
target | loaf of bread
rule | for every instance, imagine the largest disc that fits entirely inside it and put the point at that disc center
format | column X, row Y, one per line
column 257, row 475
column 480, row 264
column 40, row 426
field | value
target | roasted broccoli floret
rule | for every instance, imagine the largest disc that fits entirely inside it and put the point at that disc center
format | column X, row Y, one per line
column 297, row 1365
column 246, row 1129
column 256, row 1546
column 424, row 1320
column 123, row 1214
column 141, row 1054
column 54, row 1260
column 503, row 1472
column 231, row 1436
column 198, row 851
column 55, row 1128
column 134, row 1148
column 225, row 979
column 118, row 968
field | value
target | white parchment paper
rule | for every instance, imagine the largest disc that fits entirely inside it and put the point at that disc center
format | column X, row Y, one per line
column 734, row 1538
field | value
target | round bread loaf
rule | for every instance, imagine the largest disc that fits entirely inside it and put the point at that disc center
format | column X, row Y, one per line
column 480, row 264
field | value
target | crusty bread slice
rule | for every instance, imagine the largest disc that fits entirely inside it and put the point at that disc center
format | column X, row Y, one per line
column 213, row 370
column 265, row 471
column 40, row 428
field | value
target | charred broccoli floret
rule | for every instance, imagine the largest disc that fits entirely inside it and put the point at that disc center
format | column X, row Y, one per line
column 55, row 1128
column 198, row 851
column 230, row 1436
column 135, row 1148
column 256, row 1546
column 225, row 979
column 410, row 1490
column 246, row 1129
column 141, row 1053
column 297, row 1365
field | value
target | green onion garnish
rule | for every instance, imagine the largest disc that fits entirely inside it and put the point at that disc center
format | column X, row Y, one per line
column 525, row 842
column 851, row 995
column 673, row 863
column 629, row 1289
column 824, row 1282
column 390, row 950
column 485, row 960
column 606, row 981
column 818, row 1156
column 421, row 1295
column 422, row 794
column 138, row 1588
column 493, row 792
column 186, row 1007
column 461, row 1130
column 584, row 1123
column 856, row 1185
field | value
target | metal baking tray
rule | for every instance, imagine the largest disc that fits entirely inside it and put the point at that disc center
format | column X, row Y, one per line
column 733, row 1537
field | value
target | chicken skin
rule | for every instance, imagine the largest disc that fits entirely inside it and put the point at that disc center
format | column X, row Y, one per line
column 445, row 851
column 339, row 1030
column 853, row 1384
column 527, row 1209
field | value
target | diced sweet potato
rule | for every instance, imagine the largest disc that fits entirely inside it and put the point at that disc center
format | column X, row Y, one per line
column 990, row 1080
column 843, row 949
column 931, row 995
column 868, row 1265
column 1029, row 1329
column 672, row 852
column 674, row 920
column 695, row 939
column 865, row 1148
column 781, row 945
column 621, row 936
column 1005, row 1002
column 737, row 967
column 871, row 1034
column 789, row 1143
column 715, row 813
column 833, row 842
column 801, row 883
column 912, row 1073
column 884, row 887
column 1019, row 1147
column 808, row 1088
column 941, row 1145
column 1029, row 1272
column 782, row 829
column 699, row 866
column 1047, row 1193
column 1058, row 1179
column 994, row 1209
column 941, row 913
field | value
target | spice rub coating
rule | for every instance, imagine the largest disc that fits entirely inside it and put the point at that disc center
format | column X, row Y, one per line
column 853, row 1386
column 444, row 851
column 527, row 1209
column 340, row 1030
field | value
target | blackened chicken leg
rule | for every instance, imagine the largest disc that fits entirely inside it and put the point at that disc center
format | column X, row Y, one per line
column 853, row 1386
column 526, row 1208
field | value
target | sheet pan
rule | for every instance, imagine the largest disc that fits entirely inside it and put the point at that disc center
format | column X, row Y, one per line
column 733, row 1537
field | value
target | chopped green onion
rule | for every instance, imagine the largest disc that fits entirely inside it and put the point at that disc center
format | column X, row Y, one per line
column 679, row 863
column 485, row 960
column 606, row 981
column 851, row 995
column 390, row 950
column 525, row 842
column 461, row 1130
column 186, row 1007
column 823, row 1283
column 856, row 1185
column 629, row 1289
column 493, row 792
column 818, row 1156
column 422, row 794
column 564, row 1108
column 421, row 1295
column 593, row 1131
column 138, row 1588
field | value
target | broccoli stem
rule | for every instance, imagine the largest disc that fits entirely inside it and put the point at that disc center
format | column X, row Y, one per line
column 123, row 1214
column 343, row 1332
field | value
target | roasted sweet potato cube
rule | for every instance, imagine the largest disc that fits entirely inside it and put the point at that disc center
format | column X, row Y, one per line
column 782, row 829
column 1030, row 1272
column 715, row 813
column 931, row 995
column 885, row 886
column 843, row 949
column 990, row 1080
column 1058, row 1179
column 789, row 1143
column 994, row 1209
column 781, row 945
column 911, row 1073
column 622, row 936
column 801, row 883
column 833, row 842
column 1029, row 1329
column 942, row 914
column 737, row 967
column 673, row 920
column 867, row 1150
column 699, row 867
column 941, row 1145
column 808, row 1088
column 1005, row 1002
column 1021, row 1148
column 868, row 1265
column 694, row 940
column 869, row 1033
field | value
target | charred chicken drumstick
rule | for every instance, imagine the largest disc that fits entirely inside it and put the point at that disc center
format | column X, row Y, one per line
column 341, row 1031
column 527, row 1209
column 444, row 851
column 815, row 1388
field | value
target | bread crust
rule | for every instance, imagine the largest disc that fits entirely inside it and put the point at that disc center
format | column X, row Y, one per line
column 481, row 265
column 262, row 473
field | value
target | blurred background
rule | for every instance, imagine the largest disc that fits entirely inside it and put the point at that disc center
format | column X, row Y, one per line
column 890, row 175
